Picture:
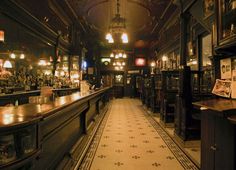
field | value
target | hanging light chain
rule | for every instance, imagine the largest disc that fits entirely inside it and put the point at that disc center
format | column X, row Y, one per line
column 118, row 7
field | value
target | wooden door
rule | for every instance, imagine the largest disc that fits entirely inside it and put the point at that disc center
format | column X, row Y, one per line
column 207, row 140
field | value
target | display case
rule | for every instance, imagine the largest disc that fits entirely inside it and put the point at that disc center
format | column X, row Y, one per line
column 226, row 26
column 17, row 145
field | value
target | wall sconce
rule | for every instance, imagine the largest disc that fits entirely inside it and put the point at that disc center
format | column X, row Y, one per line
column 22, row 56
column 153, row 64
column 12, row 55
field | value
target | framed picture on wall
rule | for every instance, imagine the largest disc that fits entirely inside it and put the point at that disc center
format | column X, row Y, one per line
column 225, row 68
column 208, row 8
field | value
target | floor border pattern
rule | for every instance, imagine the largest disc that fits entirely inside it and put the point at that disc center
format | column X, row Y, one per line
column 174, row 148
column 88, row 159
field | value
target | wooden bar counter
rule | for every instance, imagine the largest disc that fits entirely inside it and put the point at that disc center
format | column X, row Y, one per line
column 22, row 97
column 39, row 136
column 218, row 134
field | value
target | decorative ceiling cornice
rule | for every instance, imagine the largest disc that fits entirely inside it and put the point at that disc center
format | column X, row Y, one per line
column 94, row 5
column 141, row 4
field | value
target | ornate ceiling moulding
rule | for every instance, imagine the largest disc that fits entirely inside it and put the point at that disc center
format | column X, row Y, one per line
column 95, row 5
column 142, row 5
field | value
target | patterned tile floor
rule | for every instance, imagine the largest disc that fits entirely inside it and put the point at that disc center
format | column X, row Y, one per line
column 129, row 139
column 194, row 150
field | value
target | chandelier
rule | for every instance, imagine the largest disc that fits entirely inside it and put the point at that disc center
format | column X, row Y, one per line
column 117, row 28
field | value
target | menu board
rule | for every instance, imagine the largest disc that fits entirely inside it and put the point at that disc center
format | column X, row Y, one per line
column 222, row 88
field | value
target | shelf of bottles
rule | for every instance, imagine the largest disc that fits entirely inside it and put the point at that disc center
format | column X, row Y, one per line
column 74, row 72
column 226, row 20
column 32, row 73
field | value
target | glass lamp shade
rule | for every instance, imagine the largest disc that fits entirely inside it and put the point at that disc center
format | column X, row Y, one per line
column 7, row 64
column 124, row 38
column 110, row 40
column 12, row 55
column 164, row 58
column 153, row 64
column 108, row 36
column 22, row 56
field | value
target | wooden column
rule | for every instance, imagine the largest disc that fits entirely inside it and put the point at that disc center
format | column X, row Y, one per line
column 184, row 18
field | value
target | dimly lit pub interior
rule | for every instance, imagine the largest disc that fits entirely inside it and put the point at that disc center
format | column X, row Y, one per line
column 118, row 84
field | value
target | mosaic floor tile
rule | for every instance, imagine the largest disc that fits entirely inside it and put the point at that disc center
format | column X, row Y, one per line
column 129, row 139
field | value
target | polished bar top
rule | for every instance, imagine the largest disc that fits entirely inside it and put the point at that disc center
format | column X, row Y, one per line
column 28, row 113
column 35, row 91
column 219, row 104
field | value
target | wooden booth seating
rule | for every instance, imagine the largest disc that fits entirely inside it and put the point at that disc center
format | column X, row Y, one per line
column 169, row 89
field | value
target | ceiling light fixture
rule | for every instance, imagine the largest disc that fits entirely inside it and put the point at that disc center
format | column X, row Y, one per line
column 7, row 64
column 118, row 54
column 117, row 28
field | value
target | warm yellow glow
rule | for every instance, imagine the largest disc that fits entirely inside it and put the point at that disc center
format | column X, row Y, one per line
column 111, row 41
column 65, row 68
column 121, row 67
column 164, row 58
column 153, row 64
column 120, row 54
column 1, row 35
column 7, row 118
column 108, row 36
column 22, row 56
column 20, row 119
column 123, row 63
column 124, row 56
column 194, row 62
column 12, row 55
column 124, row 38
column 47, row 72
column 208, row 63
column 56, row 73
column 42, row 62
column 112, row 55
column 117, row 68
column 75, row 76
column 62, row 73
column 114, row 64
column 116, row 56
column 7, row 64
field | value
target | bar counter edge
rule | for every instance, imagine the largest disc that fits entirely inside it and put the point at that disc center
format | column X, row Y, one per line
column 51, row 135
